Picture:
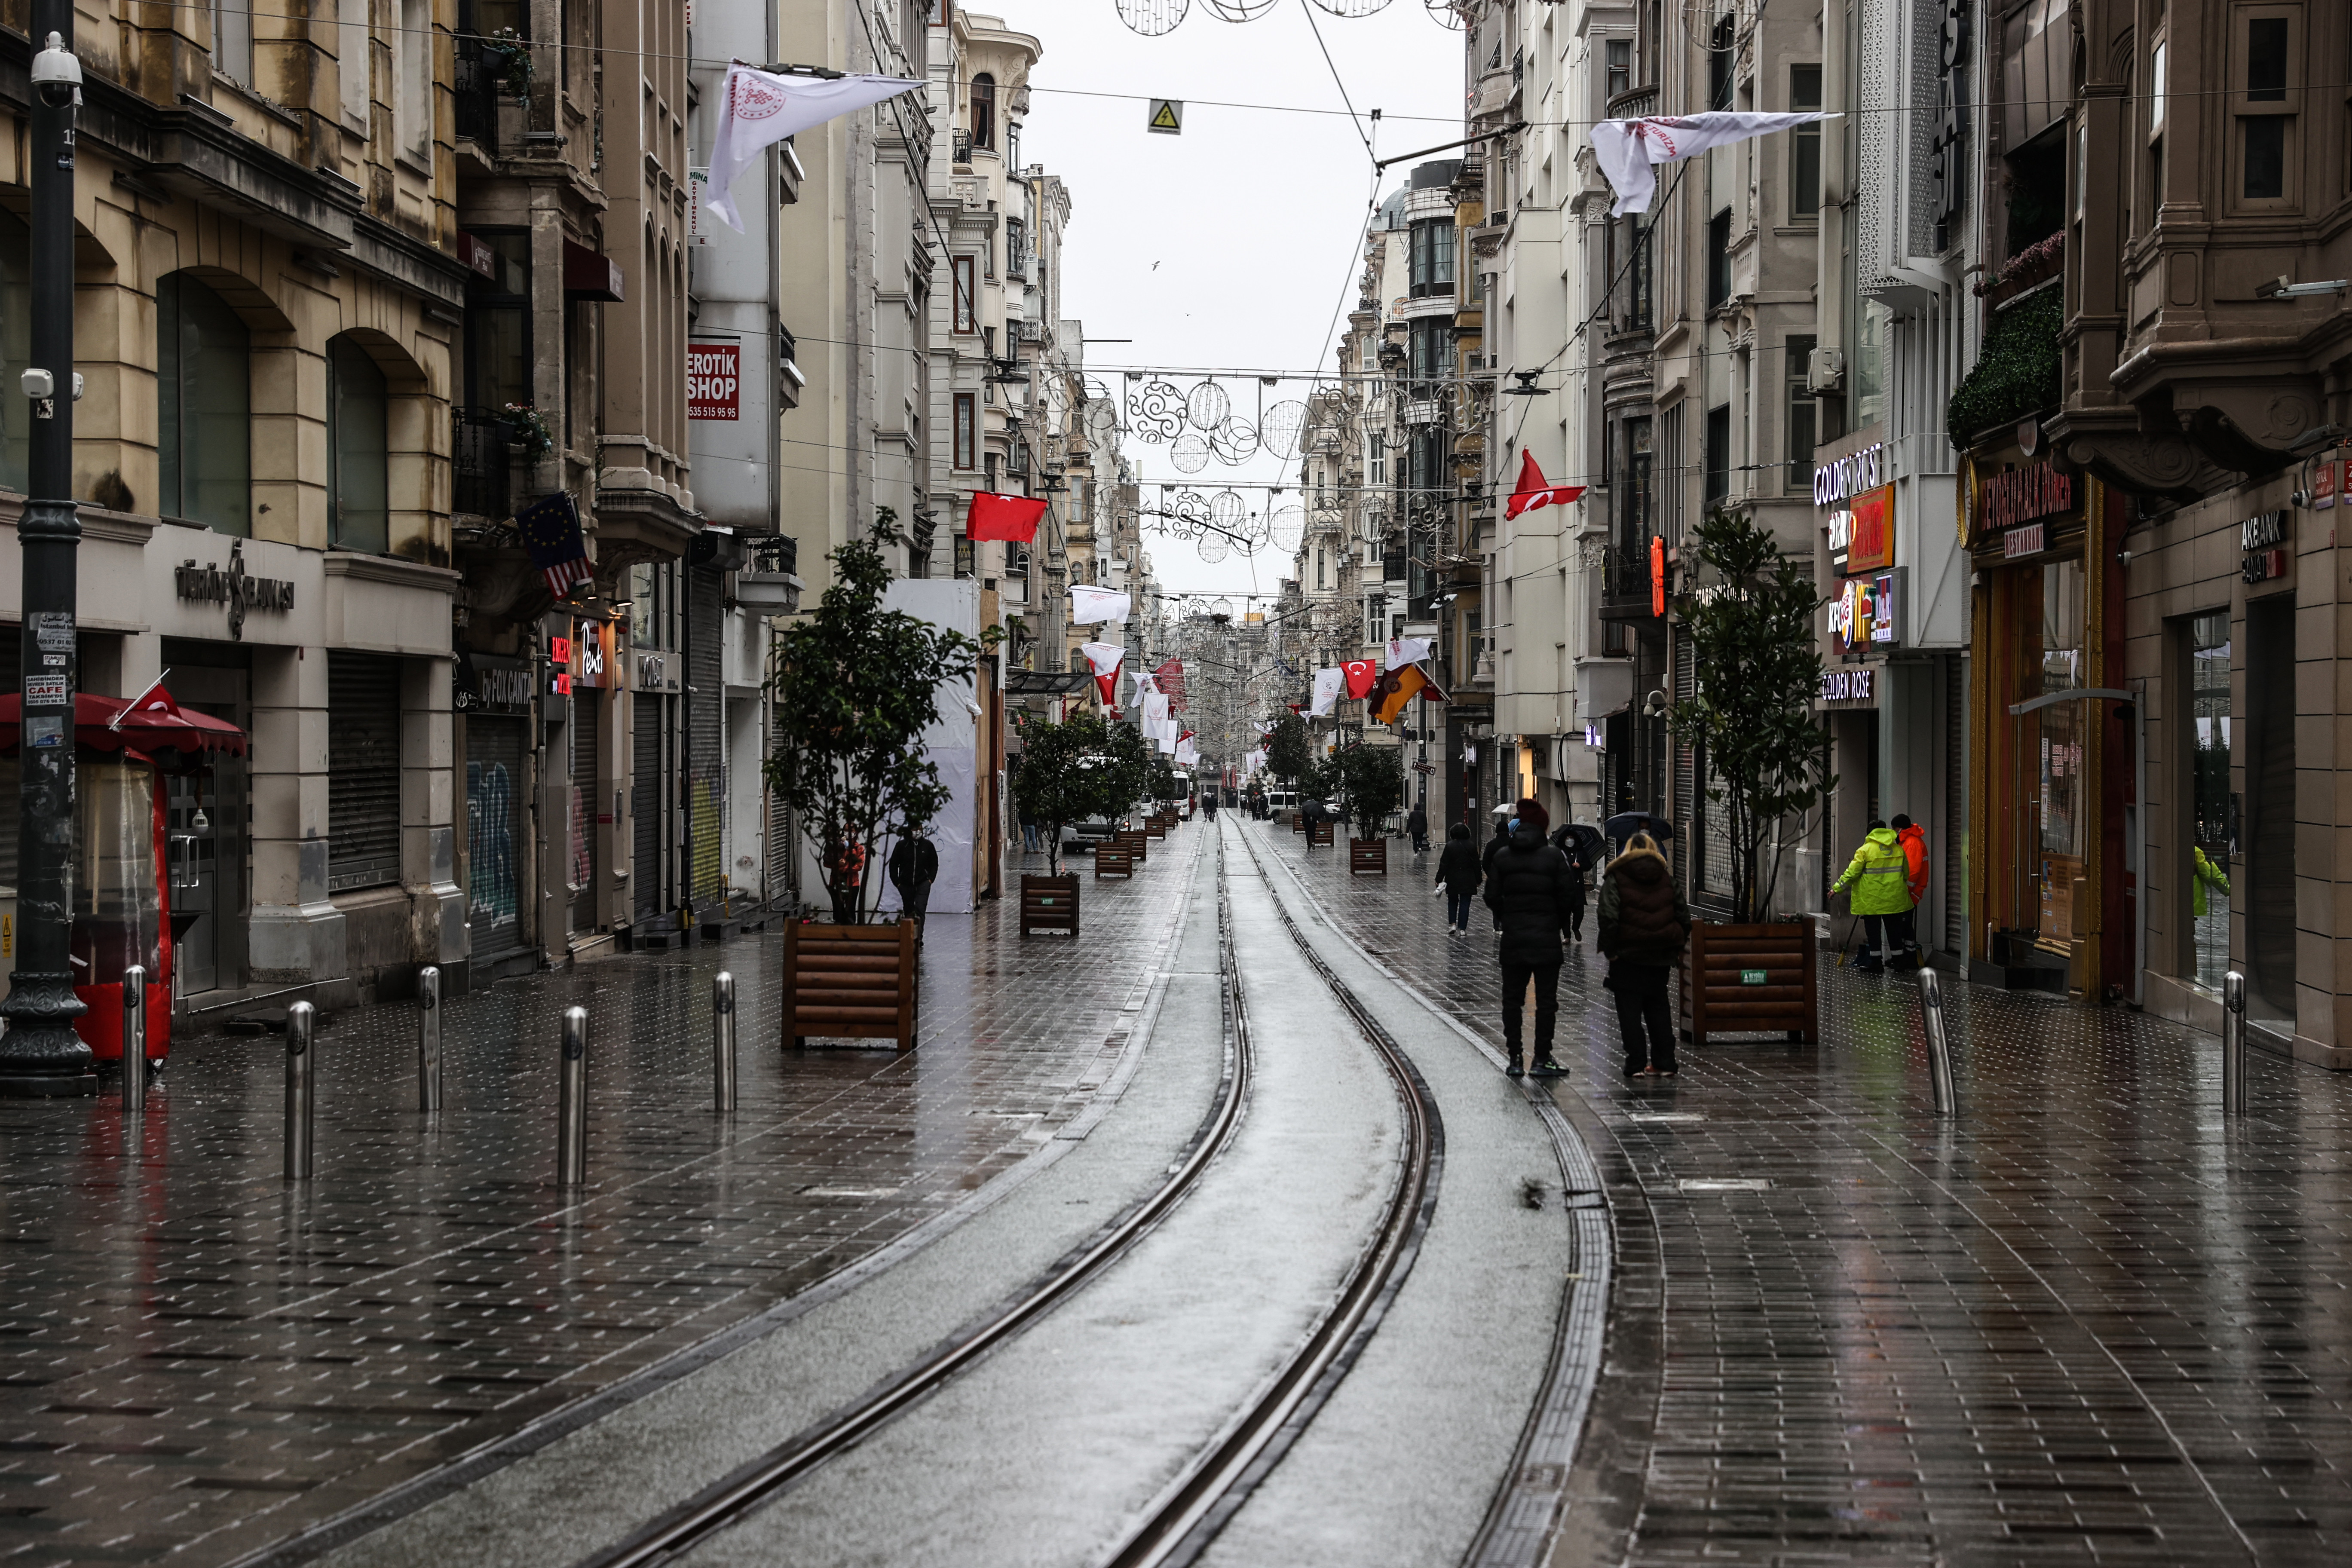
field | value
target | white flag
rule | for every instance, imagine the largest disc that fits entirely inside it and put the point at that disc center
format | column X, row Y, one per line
column 1629, row 151
column 1102, row 657
column 1089, row 604
column 1188, row 755
column 1407, row 650
column 759, row 109
column 1155, row 708
column 1328, row 684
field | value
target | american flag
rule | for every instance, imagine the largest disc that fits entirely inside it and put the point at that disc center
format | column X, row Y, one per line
column 1172, row 681
column 549, row 527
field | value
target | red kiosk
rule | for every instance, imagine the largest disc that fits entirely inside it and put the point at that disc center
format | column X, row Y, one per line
column 121, row 875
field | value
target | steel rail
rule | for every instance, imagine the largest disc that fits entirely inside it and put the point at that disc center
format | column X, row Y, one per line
column 752, row 1484
column 1189, row 1515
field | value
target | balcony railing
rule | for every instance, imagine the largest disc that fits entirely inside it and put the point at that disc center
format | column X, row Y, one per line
column 479, row 470
column 1625, row 581
column 960, row 141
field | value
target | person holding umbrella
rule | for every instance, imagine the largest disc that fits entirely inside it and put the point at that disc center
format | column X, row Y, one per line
column 1528, row 890
column 1570, row 841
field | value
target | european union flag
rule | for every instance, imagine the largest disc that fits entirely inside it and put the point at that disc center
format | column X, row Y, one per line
column 549, row 527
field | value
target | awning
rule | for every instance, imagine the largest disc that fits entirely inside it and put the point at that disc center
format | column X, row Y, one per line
column 1045, row 682
column 159, row 728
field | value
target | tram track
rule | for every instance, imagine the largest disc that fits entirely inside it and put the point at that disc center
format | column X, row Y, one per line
column 1187, row 1515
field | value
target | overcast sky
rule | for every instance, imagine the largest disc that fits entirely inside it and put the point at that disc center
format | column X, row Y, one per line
column 1232, row 245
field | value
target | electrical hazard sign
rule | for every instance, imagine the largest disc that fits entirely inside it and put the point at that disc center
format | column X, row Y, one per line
column 1167, row 116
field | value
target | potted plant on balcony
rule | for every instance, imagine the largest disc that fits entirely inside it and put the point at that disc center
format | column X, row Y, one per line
column 856, row 685
column 1747, row 613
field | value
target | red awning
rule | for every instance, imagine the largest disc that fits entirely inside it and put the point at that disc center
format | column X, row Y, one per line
column 157, row 726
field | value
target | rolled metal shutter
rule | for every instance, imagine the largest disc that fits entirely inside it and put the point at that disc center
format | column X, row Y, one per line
column 1954, row 870
column 587, row 710
column 647, row 790
column 363, row 770
column 707, row 759
column 495, row 847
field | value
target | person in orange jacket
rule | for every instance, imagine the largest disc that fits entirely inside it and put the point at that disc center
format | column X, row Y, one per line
column 1913, row 840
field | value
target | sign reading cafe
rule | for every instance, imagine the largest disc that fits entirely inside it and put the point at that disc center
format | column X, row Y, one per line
column 234, row 587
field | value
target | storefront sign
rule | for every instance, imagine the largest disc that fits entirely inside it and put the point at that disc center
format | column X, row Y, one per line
column 2266, row 544
column 1947, row 172
column 594, row 664
column 714, row 381
column 240, row 592
column 655, row 673
column 2324, row 485
column 2023, row 494
column 1870, row 544
column 499, row 690
column 1865, row 617
column 1850, row 683
column 2026, row 540
column 1835, row 482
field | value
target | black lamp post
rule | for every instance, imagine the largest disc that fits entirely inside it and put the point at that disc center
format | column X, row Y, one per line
column 40, row 1053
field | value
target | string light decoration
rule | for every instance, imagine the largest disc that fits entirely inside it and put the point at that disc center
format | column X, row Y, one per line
column 1351, row 9
column 1153, row 19
column 1157, row 18
column 1228, row 511
column 1238, row 10
column 1234, row 441
column 1450, row 15
column 1288, row 530
column 1279, row 431
column 1157, row 408
column 1208, row 406
column 1212, row 548
column 1190, row 453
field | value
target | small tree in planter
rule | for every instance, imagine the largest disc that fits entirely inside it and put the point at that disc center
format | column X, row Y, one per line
column 1061, row 780
column 1371, row 783
column 1288, row 752
column 1756, row 667
column 1127, row 777
column 856, row 685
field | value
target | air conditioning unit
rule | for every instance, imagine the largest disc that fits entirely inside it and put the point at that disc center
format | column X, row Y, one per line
column 1828, row 371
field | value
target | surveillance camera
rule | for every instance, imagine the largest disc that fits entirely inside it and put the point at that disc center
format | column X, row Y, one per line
column 56, row 74
column 38, row 383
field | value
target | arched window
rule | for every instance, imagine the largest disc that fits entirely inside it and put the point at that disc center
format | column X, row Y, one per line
column 984, row 110
column 359, row 507
column 15, row 351
column 204, row 408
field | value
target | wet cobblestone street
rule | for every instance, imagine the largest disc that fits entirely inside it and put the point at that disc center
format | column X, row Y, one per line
column 2086, row 1321
column 200, row 1357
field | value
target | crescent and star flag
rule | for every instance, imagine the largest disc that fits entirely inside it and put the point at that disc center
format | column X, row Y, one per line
column 1533, row 492
column 1171, row 677
column 1399, row 686
column 1090, row 604
column 1407, row 650
column 1012, row 518
column 760, row 109
column 1104, row 660
column 549, row 527
column 1328, row 684
column 1360, row 673
column 1629, row 151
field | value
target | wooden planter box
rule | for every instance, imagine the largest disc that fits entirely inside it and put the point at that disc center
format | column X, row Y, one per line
column 1114, row 861
column 1155, row 827
column 1368, row 855
column 1049, row 903
column 1135, row 842
column 857, row 982
column 1297, row 823
column 1319, row 832
column 1751, row 979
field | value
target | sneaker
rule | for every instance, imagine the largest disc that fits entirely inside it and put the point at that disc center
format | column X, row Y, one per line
column 1547, row 1068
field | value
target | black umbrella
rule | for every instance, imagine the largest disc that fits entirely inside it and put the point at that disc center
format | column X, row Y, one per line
column 1626, row 823
column 1584, row 840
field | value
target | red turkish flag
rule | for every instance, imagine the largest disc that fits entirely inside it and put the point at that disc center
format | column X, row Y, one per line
column 1108, row 686
column 1532, row 491
column 1012, row 518
column 1362, row 673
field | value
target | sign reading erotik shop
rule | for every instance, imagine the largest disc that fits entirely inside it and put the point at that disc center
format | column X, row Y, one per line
column 714, row 381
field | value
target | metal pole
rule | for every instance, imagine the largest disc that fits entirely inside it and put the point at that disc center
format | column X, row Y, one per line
column 299, row 1100
column 2233, row 1044
column 41, row 1054
column 722, row 1042
column 134, row 1040
column 428, row 1038
column 1940, row 1043
column 572, row 1102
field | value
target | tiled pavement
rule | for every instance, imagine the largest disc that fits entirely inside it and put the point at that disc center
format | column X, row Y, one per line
column 199, row 1360
column 2087, row 1322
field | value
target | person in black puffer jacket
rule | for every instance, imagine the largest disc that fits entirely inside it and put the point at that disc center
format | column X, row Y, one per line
column 1645, row 926
column 1458, row 873
column 1577, row 885
column 1528, row 888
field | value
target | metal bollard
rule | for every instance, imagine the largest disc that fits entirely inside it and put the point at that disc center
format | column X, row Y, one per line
column 300, row 1056
column 134, row 1040
column 428, row 1038
column 2233, row 1044
column 572, row 1102
column 722, row 1043
column 1940, row 1043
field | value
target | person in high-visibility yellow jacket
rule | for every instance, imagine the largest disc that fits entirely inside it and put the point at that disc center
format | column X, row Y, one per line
column 2205, row 874
column 1878, row 879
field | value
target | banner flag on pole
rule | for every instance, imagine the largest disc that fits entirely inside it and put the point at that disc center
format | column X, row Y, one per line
column 549, row 527
column 1533, row 492
column 759, row 109
column 1012, row 518
column 1103, row 658
column 1629, row 151
column 1361, row 675
column 1090, row 605
column 1328, row 684
column 1172, row 681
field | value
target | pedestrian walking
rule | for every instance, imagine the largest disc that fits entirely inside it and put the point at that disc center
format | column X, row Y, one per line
column 1876, row 889
column 914, row 866
column 1416, row 822
column 1503, row 820
column 1458, row 876
column 1527, row 888
column 1562, row 841
column 1645, row 926
column 1209, row 806
column 1913, row 839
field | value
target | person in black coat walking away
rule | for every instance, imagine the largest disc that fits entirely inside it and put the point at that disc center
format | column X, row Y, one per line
column 1416, row 822
column 914, row 866
column 1645, row 926
column 1459, row 873
column 1527, row 889
column 1559, row 841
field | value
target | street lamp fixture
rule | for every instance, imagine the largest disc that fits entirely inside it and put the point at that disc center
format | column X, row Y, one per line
column 1526, row 387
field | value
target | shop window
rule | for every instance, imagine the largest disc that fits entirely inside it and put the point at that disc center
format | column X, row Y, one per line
column 363, row 774
column 2212, row 826
column 15, row 351
column 1805, row 145
column 1796, row 372
column 2267, row 813
column 359, row 508
column 497, row 322
column 204, row 395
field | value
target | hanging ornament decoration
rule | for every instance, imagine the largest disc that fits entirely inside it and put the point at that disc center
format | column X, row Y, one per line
column 1289, row 530
column 1228, row 511
column 1351, row 10
column 1190, row 452
column 1279, row 431
column 1238, row 10
column 1193, row 507
column 1154, row 18
column 1212, row 547
column 1234, row 441
column 1208, row 407
column 1447, row 14
column 1156, row 407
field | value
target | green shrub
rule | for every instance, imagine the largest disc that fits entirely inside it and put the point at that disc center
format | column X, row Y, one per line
column 2019, row 374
